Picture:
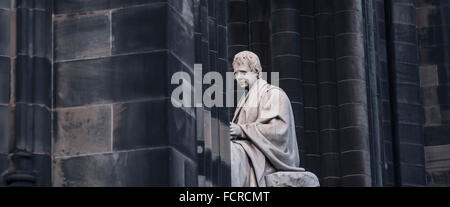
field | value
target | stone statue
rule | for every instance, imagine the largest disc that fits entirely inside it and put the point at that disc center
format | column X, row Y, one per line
column 264, row 149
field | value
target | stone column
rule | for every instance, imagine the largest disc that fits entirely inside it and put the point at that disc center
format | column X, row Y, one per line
column 310, row 86
column 30, row 94
column 286, row 58
column 407, row 108
column 7, row 15
column 351, row 93
column 327, row 92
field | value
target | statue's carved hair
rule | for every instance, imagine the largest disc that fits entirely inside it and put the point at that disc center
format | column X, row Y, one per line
column 247, row 58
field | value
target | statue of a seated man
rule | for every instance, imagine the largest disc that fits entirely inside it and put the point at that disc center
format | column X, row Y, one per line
column 263, row 139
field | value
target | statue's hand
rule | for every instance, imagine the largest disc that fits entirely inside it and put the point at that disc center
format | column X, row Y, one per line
column 235, row 130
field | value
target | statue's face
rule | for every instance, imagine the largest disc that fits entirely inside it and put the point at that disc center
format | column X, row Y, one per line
column 244, row 76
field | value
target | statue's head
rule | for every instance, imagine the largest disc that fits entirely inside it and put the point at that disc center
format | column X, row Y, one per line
column 247, row 68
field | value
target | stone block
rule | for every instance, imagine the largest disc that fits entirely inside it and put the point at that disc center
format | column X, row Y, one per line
column 327, row 117
column 412, row 175
column 353, row 138
column 444, row 96
column 111, row 79
column 412, row 153
column 329, row 141
column 308, row 50
column 352, row 91
column 258, row 10
column 3, row 167
column 309, row 72
column 344, row 5
column 286, row 44
column 349, row 45
column 430, row 96
column 355, row 181
column 181, row 130
column 410, row 133
column 180, row 34
column 139, row 29
column 33, row 4
column 352, row 115
column 433, row 115
column 326, row 72
column 406, row 53
column 405, row 33
column 5, row 18
column 238, row 11
column 285, row 4
column 428, row 76
column 388, row 150
column 386, row 110
column 350, row 68
column 322, row 26
column 34, row 79
column 310, row 95
column 388, row 175
column 436, row 135
column 82, row 36
column 42, row 167
column 287, row 66
column 410, row 113
column 5, row 73
column 35, row 29
column 325, row 49
column 330, row 181
column 408, row 74
column 311, row 117
column 33, row 128
column 355, row 163
column 149, row 167
column 307, row 24
column 5, row 4
column 294, row 94
column 183, row 171
column 403, row 13
column 437, row 157
column 73, row 6
column 313, row 164
column 141, row 124
column 285, row 21
column 82, row 130
column 311, row 142
column 439, row 179
column 222, row 42
column 4, row 129
column 349, row 21
column 292, row 179
column 329, row 166
column 327, row 94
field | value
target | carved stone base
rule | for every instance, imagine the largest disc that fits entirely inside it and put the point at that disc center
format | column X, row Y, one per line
column 292, row 179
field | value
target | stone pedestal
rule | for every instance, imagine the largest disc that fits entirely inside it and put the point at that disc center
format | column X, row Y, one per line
column 292, row 179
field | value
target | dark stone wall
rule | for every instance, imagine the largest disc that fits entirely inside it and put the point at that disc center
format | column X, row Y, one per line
column 433, row 22
column 212, row 122
column 357, row 63
column 30, row 100
column 85, row 93
column 5, row 71
column 406, row 101
column 113, row 115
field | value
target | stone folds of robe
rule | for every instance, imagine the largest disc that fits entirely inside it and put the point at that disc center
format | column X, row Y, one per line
column 268, row 142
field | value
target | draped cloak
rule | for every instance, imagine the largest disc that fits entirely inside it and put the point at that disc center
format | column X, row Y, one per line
column 268, row 142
